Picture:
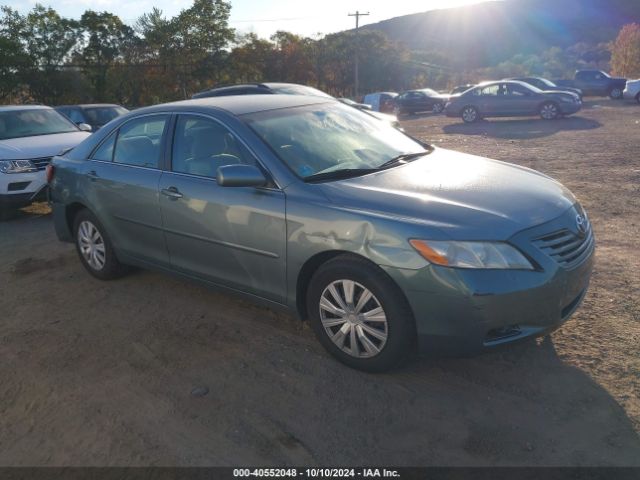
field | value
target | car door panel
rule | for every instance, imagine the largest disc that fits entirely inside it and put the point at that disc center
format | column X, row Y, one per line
column 123, row 181
column 117, row 189
column 234, row 236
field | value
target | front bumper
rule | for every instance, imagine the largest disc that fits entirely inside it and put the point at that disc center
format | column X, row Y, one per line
column 570, row 108
column 20, row 189
column 630, row 94
column 466, row 312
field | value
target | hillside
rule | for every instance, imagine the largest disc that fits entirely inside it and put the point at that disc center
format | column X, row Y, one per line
column 487, row 33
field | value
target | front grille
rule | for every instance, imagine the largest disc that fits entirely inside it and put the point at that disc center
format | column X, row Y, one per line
column 41, row 163
column 566, row 247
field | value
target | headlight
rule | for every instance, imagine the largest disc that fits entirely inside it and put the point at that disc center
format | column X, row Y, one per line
column 17, row 166
column 485, row 255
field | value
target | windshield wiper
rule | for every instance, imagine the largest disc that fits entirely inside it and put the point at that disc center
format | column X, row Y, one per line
column 405, row 157
column 339, row 174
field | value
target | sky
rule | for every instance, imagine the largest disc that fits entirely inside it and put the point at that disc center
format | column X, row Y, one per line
column 262, row 17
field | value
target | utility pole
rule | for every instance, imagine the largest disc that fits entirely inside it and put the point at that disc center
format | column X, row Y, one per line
column 357, row 15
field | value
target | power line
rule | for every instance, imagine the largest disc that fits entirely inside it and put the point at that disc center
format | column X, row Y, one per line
column 357, row 15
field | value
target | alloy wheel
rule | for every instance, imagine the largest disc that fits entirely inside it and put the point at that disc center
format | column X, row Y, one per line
column 549, row 111
column 91, row 245
column 469, row 114
column 353, row 318
column 616, row 93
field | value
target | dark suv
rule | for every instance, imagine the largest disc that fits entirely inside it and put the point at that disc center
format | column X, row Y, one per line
column 262, row 89
column 96, row 114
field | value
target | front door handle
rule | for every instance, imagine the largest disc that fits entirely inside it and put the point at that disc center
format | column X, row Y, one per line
column 92, row 175
column 172, row 192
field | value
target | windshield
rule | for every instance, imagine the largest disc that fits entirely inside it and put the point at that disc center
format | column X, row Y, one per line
column 330, row 137
column 33, row 122
column 546, row 82
column 299, row 90
column 103, row 115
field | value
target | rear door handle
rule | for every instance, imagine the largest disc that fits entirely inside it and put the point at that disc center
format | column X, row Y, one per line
column 172, row 192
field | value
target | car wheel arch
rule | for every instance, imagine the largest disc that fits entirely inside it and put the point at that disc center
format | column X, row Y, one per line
column 71, row 211
column 311, row 266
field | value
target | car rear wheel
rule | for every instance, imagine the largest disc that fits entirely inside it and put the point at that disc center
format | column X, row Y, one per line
column 360, row 315
column 95, row 249
column 549, row 111
column 438, row 108
column 616, row 93
column 470, row 114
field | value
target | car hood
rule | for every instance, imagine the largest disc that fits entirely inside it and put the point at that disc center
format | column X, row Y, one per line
column 39, row 146
column 461, row 196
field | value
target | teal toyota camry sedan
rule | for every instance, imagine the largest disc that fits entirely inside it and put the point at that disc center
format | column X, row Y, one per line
column 383, row 243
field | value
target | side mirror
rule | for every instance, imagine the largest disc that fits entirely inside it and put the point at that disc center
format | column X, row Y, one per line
column 240, row 176
column 85, row 127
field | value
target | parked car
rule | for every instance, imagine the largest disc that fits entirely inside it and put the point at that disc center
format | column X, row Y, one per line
column 311, row 206
column 461, row 89
column 511, row 99
column 632, row 90
column 29, row 137
column 547, row 85
column 381, row 101
column 596, row 83
column 262, row 89
column 290, row 89
column 385, row 117
column 424, row 100
column 97, row 114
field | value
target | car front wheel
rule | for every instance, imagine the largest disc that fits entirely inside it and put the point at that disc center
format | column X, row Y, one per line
column 470, row 114
column 549, row 111
column 616, row 93
column 438, row 108
column 95, row 249
column 360, row 315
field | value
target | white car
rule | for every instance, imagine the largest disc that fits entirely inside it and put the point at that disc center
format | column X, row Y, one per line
column 632, row 91
column 29, row 137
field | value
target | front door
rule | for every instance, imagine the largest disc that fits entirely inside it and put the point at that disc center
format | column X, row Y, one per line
column 234, row 236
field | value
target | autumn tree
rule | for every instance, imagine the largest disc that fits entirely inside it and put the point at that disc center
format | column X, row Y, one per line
column 625, row 52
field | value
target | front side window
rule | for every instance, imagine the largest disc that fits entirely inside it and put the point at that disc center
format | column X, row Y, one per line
column 105, row 151
column 139, row 141
column 202, row 145
column 330, row 137
column 491, row 91
column 33, row 122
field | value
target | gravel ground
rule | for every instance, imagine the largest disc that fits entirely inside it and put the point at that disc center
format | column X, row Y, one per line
column 152, row 370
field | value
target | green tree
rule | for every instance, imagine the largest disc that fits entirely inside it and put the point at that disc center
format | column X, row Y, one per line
column 103, row 36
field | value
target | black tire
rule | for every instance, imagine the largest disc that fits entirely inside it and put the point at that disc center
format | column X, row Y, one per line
column 111, row 268
column 638, row 98
column 549, row 111
column 615, row 93
column 438, row 108
column 470, row 114
column 399, row 324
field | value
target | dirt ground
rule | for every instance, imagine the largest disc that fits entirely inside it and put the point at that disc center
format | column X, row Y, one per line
column 117, row 373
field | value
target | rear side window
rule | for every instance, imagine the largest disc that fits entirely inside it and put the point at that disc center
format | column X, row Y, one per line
column 105, row 151
column 139, row 141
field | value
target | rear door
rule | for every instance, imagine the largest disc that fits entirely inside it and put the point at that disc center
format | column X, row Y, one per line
column 123, row 177
column 234, row 236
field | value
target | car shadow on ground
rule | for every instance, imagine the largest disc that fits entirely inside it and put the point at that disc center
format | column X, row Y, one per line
column 520, row 129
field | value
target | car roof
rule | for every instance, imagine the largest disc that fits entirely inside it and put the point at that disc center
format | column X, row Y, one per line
column 240, row 104
column 13, row 108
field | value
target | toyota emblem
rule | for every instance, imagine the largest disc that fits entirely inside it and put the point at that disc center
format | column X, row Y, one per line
column 582, row 224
